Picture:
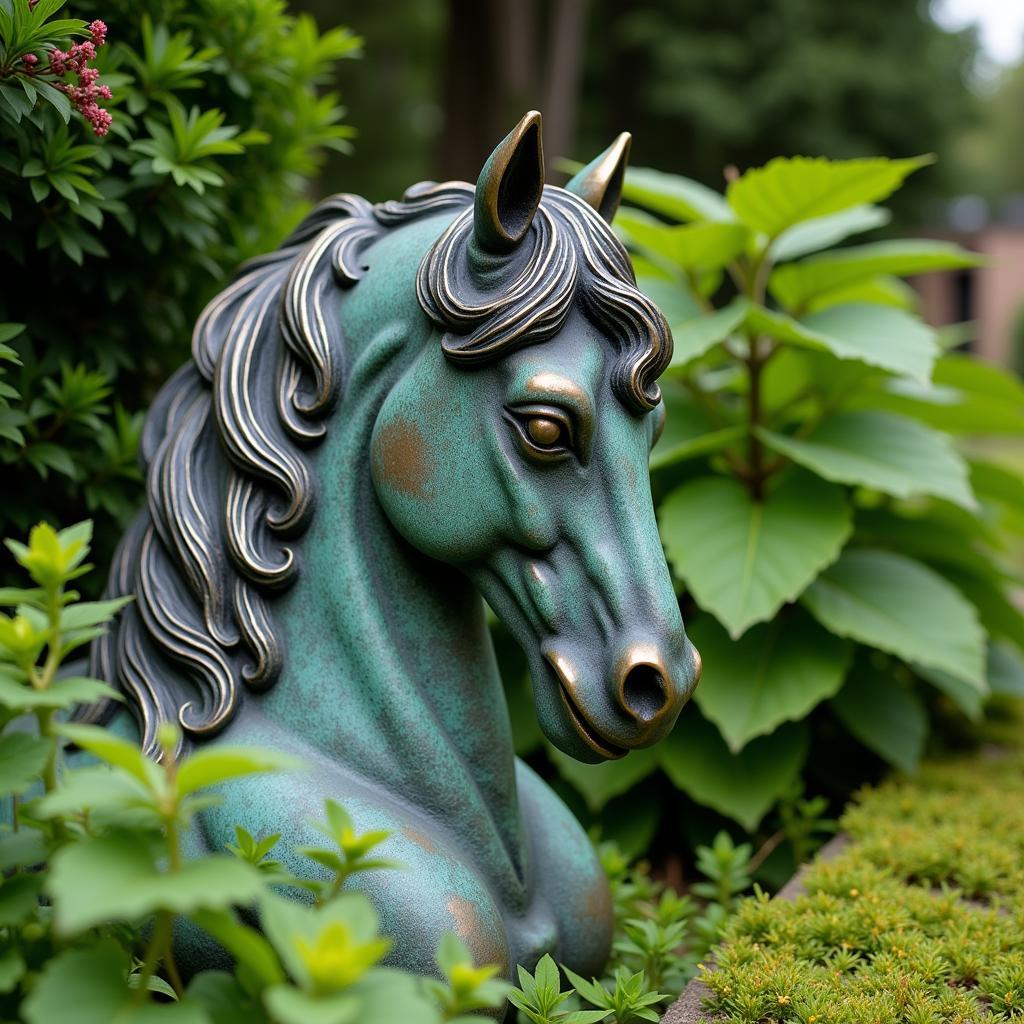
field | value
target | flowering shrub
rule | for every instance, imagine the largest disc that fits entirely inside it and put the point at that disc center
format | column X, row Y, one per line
column 145, row 150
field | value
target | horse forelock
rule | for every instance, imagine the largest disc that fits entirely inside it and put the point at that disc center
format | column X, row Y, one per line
column 490, row 304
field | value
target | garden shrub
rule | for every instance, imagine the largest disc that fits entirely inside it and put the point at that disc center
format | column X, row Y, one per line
column 835, row 534
column 94, row 875
column 93, row 872
column 114, row 236
column 920, row 919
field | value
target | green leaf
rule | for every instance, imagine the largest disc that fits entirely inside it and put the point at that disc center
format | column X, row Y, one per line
column 694, row 337
column 22, row 759
column 19, row 899
column 824, row 232
column 85, row 985
column 101, row 790
column 65, row 692
column 877, row 291
column 91, row 613
column 22, row 849
column 968, row 697
column 116, row 878
column 881, row 336
column 213, row 765
column 702, row 246
column 115, row 751
column 223, row 999
column 796, row 284
column 687, row 432
column 776, row 672
column 789, row 190
column 1005, row 669
column 674, row 298
column 742, row 786
column 883, row 715
column 883, row 451
column 12, row 969
column 245, row 944
column 674, row 196
column 599, row 783
column 742, row 560
column 891, row 602
column 999, row 614
column 290, row 1006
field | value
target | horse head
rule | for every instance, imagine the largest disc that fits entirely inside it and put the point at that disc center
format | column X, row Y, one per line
column 515, row 446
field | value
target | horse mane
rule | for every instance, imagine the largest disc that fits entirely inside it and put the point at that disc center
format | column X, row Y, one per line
column 225, row 445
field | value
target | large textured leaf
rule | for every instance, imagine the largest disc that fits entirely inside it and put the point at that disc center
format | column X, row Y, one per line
column 883, row 451
column 880, row 336
column 891, row 602
column 789, row 190
column 694, row 337
column 796, row 284
column 670, row 294
column 742, row 560
column 824, row 232
column 965, row 396
column 1005, row 669
column 600, row 782
column 687, row 432
column 776, row 672
column 674, row 196
column 883, row 715
column 999, row 614
column 701, row 246
column 968, row 697
column 742, row 786
column 881, row 291
column 116, row 878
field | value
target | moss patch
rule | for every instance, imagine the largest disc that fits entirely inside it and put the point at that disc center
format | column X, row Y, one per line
column 919, row 921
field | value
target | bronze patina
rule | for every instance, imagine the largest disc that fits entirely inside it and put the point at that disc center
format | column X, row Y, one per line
column 407, row 406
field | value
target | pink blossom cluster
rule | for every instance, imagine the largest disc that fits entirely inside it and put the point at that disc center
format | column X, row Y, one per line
column 86, row 95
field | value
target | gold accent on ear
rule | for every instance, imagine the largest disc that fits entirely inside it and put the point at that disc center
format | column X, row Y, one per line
column 599, row 184
column 510, row 187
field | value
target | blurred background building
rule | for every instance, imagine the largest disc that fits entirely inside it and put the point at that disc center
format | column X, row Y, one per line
column 706, row 86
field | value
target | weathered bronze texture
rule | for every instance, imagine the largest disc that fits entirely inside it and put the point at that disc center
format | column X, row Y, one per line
column 408, row 406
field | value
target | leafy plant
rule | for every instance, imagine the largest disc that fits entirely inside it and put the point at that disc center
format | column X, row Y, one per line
column 94, row 873
column 142, row 158
column 838, row 535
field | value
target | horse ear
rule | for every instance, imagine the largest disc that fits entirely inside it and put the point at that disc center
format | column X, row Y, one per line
column 510, row 186
column 599, row 184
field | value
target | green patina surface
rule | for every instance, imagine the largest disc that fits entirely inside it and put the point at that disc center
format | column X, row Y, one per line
column 469, row 454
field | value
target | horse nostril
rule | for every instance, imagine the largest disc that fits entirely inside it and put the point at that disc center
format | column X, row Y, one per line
column 644, row 691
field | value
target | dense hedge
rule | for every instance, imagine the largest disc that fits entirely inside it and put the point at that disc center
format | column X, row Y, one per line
column 114, row 235
column 921, row 919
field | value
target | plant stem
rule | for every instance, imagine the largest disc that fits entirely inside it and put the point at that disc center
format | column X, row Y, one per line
column 755, row 457
column 159, row 941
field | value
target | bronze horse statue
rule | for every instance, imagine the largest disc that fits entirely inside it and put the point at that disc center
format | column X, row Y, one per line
column 407, row 406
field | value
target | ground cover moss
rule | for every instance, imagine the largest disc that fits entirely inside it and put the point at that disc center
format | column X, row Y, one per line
column 920, row 920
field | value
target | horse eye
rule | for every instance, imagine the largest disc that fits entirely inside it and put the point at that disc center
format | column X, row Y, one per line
column 543, row 432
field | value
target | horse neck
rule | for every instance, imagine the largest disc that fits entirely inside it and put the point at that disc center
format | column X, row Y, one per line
column 389, row 667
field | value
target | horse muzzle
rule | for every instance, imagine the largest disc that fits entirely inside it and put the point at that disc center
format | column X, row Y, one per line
column 636, row 699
